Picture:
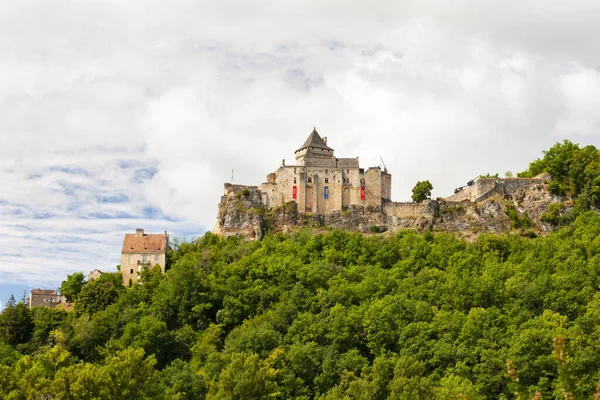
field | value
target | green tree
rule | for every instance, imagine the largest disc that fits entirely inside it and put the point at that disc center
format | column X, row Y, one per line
column 98, row 294
column 71, row 287
column 16, row 323
column 182, row 383
column 246, row 377
column 421, row 191
column 131, row 375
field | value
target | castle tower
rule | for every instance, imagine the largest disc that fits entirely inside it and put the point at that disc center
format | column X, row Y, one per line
column 314, row 150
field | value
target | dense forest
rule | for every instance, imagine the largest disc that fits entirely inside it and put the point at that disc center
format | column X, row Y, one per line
column 335, row 315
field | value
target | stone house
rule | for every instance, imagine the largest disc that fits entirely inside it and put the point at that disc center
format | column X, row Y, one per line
column 321, row 183
column 142, row 249
column 95, row 274
column 43, row 298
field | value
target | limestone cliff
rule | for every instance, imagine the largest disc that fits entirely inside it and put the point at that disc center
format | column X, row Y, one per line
column 504, row 205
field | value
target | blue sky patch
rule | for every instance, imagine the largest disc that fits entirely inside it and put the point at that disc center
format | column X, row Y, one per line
column 144, row 174
column 118, row 215
column 119, row 198
column 70, row 170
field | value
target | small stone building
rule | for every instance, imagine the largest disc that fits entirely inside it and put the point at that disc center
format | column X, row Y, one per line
column 43, row 298
column 95, row 274
column 321, row 183
column 142, row 249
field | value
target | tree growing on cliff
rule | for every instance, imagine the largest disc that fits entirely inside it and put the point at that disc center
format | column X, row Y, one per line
column 421, row 191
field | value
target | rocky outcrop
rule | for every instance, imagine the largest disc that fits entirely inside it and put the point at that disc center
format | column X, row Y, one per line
column 241, row 213
column 514, row 205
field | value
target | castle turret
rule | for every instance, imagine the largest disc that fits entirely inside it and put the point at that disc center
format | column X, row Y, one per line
column 313, row 148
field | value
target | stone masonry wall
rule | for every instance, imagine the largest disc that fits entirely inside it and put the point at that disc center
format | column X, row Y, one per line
column 130, row 268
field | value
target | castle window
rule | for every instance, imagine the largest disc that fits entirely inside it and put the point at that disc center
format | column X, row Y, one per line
column 294, row 170
column 129, row 258
column 309, row 179
column 144, row 258
column 131, row 271
column 347, row 171
column 294, row 181
column 156, row 257
column 326, row 180
column 326, row 171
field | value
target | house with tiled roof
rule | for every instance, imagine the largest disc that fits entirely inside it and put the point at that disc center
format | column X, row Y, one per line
column 142, row 249
column 95, row 274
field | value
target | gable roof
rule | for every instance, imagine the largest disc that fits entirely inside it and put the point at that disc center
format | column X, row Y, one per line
column 315, row 140
column 147, row 243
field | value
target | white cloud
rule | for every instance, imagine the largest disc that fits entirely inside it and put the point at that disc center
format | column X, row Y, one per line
column 139, row 110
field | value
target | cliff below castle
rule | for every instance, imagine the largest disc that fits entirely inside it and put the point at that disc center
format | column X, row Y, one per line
column 490, row 205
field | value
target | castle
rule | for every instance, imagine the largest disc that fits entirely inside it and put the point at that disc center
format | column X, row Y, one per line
column 320, row 182
column 321, row 190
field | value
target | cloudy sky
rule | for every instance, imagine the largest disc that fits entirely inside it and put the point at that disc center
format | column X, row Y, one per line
column 123, row 114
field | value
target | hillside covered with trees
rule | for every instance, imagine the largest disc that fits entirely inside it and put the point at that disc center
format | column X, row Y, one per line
column 335, row 315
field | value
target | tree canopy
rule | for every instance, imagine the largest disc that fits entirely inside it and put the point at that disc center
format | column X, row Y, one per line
column 421, row 191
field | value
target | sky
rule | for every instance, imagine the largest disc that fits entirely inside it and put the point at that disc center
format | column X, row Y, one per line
column 116, row 115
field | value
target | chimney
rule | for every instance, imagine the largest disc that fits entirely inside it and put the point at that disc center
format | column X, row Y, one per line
column 325, row 140
column 139, row 232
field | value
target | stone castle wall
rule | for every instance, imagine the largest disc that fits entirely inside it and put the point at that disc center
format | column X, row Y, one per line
column 343, row 187
column 403, row 210
column 484, row 188
column 478, row 189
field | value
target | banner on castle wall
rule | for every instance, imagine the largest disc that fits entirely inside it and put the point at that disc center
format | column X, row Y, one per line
column 362, row 192
column 294, row 192
column 326, row 192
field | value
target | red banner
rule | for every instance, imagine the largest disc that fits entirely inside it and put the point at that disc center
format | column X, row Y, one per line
column 294, row 192
column 362, row 192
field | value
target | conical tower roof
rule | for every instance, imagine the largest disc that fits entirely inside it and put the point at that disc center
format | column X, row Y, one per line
column 314, row 140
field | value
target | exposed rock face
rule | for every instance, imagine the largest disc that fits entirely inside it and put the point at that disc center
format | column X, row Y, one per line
column 509, row 205
column 241, row 213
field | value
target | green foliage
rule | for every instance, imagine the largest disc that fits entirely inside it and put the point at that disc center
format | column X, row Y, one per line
column 16, row 323
column 517, row 220
column 71, row 287
column 246, row 377
column 575, row 172
column 329, row 316
column 421, row 191
column 555, row 215
column 98, row 294
column 488, row 175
